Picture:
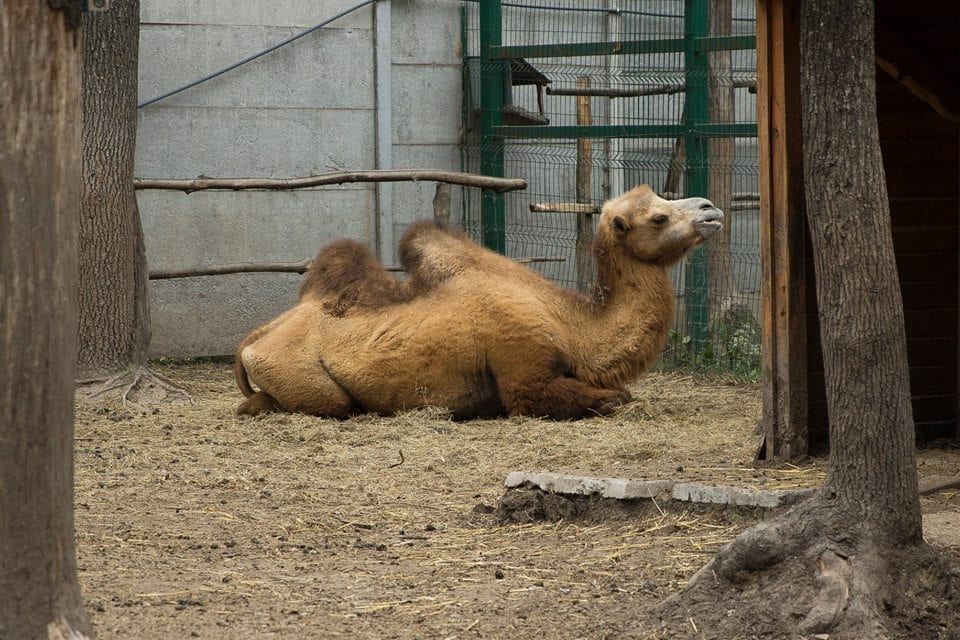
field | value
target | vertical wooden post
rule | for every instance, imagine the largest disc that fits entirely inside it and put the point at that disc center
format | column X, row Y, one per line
column 782, row 231
column 722, row 286
column 584, row 193
column 441, row 203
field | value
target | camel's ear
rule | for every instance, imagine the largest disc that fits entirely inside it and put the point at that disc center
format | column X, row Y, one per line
column 620, row 224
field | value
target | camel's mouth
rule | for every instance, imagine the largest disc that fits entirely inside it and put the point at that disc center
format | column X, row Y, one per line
column 708, row 222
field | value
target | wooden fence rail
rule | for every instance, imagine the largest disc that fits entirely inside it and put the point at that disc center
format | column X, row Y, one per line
column 441, row 206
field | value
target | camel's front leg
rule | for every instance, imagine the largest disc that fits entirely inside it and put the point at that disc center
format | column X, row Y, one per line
column 560, row 398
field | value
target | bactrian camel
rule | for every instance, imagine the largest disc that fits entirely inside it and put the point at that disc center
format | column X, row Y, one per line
column 473, row 331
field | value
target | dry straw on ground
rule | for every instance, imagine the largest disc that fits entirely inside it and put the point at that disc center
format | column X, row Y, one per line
column 195, row 523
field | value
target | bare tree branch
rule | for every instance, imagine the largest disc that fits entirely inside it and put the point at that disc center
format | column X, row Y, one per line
column 500, row 185
column 281, row 267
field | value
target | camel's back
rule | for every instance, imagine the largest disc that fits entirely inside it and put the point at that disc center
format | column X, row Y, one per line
column 445, row 347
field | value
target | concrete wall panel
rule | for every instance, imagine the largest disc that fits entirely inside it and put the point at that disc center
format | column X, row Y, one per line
column 426, row 103
column 210, row 316
column 426, row 32
column 330, row 68
column 284, row 13
column 208, row 228
column 237, row 142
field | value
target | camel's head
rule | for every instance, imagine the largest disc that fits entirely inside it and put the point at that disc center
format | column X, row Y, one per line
column 655, row 230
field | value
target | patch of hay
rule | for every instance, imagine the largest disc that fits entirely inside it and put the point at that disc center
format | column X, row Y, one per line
column 191, row 520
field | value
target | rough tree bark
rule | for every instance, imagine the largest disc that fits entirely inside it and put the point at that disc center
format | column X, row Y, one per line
column 114, row 322
column 39, row 189
column 851, row 560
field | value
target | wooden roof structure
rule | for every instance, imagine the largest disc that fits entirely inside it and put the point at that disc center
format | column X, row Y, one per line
column 918, row 103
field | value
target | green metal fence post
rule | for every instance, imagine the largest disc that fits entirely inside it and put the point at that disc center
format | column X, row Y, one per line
column 696, row 112
column 492, row 75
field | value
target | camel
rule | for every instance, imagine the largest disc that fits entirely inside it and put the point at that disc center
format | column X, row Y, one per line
column 473, row 331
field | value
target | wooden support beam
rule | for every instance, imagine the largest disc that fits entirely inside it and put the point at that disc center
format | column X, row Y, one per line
column 564, row 207
column 785, row 431
column 584, row 192
column 901, row 62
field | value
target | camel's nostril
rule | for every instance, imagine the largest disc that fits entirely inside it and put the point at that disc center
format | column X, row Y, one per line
column 706, row 205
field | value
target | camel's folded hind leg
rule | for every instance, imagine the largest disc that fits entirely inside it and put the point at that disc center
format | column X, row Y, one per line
column 561, row 398
column 295, row 382
column 259, row 402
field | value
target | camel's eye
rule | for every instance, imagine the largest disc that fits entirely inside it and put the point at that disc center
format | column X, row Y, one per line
column 660, row 219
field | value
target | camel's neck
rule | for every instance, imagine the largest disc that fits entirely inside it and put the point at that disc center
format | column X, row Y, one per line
column 627, row 324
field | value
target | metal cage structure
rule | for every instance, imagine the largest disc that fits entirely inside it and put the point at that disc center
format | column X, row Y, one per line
column 588, row 98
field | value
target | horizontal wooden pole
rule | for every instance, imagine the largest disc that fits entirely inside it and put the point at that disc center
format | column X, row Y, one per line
column 738, row 204
column 500, row 185
column 653, row 90
column 737, row 197
column 564, row 207
column 223, row 269
column 282, row 267
column 706, row 130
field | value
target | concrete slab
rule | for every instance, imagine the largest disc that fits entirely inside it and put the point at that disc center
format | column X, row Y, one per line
column 619, row 488
column 627, row 489
column 740, row 496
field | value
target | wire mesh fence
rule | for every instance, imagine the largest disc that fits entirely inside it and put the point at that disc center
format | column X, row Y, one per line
column 586, row 99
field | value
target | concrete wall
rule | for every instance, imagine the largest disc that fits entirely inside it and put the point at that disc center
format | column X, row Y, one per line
column 307, row 108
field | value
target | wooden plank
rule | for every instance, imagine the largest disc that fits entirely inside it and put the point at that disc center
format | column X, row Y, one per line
column 925, row 239
column 930, row 323
column 935, row 408
column 782, row 232
column 924, row 381
column 910, row 125
column 923, row 210
column 929, row 295
column 923, row 181
column 927, row 429
column 899, row 60
column 916, row 268
column 919, row 13
column 923, row 152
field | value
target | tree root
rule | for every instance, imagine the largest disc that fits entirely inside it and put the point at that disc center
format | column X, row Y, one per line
column 807, row 575
column 148, row 387
column 834, row 594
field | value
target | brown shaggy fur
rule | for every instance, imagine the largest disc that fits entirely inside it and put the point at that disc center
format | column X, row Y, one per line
column 473, row 331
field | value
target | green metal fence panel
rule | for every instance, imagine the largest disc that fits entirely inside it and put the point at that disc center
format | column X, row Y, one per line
column 587, row 98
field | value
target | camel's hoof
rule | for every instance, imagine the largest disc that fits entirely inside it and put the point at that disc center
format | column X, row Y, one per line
column 612, row 402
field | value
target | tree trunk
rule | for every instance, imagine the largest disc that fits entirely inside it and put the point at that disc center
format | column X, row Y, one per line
column 872, row 473
column 859, row 536
column 114, row 327
column 39, row 189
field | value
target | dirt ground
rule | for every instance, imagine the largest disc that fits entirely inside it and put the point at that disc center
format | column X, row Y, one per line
column 192, row 522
